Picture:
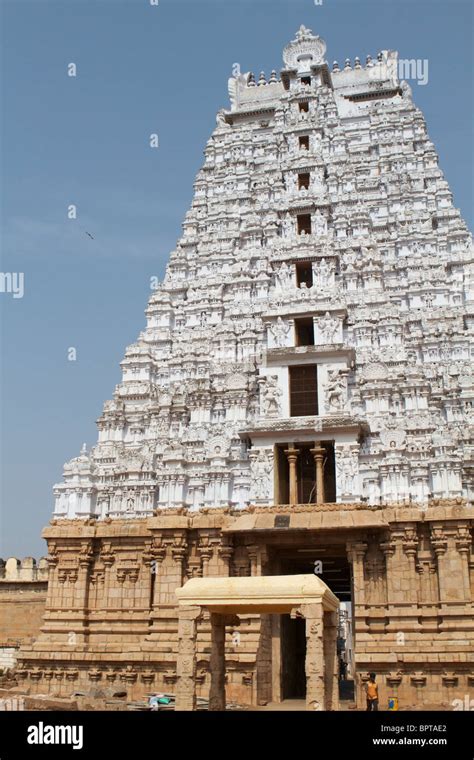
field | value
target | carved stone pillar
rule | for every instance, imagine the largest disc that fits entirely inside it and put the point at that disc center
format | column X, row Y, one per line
column 292, row 456
column 170, row 552
column 331, row 663
column 439, row 543
column 178, row 553
column 252, row 551
column 426, row 570
column 375, row 574
column 314, row 662
column 356, row 551
column 401, row 578
column 108, row 558
column 410, row 548
column 463, row 543
column 226, row 551
column 258, row 558
column 451, row 543
column 81, row 590
column 205, row 552
column 394, row 563
column 52, row 560
column 186, row 663
column 217, row 663
column 319, row 453
column 155, row 556
column 85, row 560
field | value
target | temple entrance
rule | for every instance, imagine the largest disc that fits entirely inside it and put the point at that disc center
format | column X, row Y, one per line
column 299, row 600
column 293, row 653
column 332, row 566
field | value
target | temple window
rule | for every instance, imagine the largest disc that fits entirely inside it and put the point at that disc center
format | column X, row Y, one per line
column 304, row 274
column 303, row 390
column 304, row 224
column 303, row 142
column 303, row 107
column 304, row 331
column 303, row 181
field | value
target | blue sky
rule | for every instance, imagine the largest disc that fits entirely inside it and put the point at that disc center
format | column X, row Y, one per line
column 84, row 140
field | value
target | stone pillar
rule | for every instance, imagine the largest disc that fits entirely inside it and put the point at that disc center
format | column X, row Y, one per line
column 226, row 551
column 217, row 663
column 264, row 661
column 179, row 550
column 108, row 558
column 331, row 663
column 314, row 663
column 82, row 585
column 53, row 595
column 318, row 453
column 81, row 592
column 159, row 560
column 463, row 543
column 205, row 552
column 451, row 543
column 156, row 557
column 252, row 550
column 292, row 456
column 186, row 663
column 426, row 570
column 356, row 551
column 410, row 548
column 258, row 558
column 400, row 552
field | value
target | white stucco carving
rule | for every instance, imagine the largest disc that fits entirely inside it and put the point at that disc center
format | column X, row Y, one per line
column 390, row 295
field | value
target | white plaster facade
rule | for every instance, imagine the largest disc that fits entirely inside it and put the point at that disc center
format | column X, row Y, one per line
column 390, row 300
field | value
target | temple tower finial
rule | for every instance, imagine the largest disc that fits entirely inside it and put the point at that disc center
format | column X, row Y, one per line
column 305, row 50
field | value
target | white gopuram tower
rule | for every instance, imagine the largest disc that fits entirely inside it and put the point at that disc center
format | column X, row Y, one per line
column 310, row 341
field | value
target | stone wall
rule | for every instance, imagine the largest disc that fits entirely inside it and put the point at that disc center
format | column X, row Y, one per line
column 111, row 618
column 23, row 587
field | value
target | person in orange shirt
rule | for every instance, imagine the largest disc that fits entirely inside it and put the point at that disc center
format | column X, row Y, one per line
column 372, row 693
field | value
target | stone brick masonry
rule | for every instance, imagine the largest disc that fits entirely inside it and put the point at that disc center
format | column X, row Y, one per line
column 111, row 613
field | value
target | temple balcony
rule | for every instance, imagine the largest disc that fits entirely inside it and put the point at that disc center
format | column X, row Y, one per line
column 279, row 428
column 302, row 302
column 310, row 199
column 309, row 354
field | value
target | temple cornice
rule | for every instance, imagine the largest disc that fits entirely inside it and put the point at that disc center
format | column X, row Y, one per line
column 298, row 425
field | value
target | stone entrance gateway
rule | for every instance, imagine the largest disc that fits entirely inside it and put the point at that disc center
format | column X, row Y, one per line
column 300, row 596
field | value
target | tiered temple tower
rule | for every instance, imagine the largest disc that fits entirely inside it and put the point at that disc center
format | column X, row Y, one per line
column 303, row 389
